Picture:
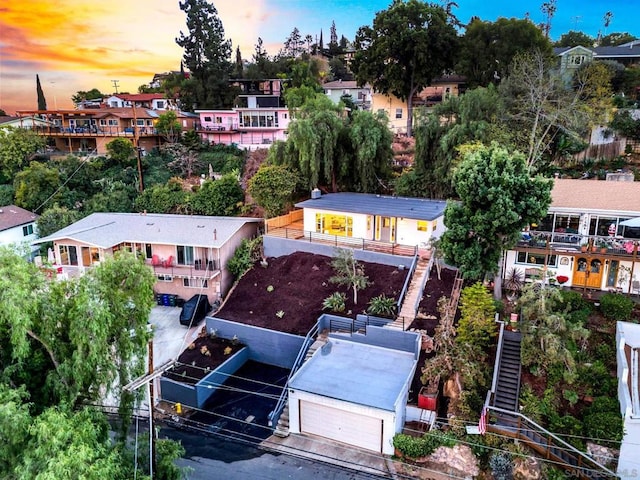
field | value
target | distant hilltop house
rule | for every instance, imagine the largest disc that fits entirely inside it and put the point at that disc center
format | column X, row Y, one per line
column 22, row 122
column 188, row 253
column 90, row 130
column 361, row 95
column 259, row 118
column 397, row 109
column 18, row 229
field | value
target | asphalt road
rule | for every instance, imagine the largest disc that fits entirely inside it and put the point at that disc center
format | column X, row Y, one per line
column 213, row 457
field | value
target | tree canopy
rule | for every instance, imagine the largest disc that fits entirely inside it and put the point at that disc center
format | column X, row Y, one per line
column 17, row 147
column 207, row 55
column 409, row 45
column 488, row 48
column 497, row 199
column 272, row 188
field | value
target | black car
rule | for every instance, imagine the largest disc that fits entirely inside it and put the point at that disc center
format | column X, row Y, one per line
column 194, row 310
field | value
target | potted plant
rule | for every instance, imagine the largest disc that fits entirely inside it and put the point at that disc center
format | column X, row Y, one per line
column 584, row 247
column 513, row 283
column 602, row 245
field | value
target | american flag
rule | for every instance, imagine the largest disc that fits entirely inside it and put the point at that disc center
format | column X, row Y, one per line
column 482, row 424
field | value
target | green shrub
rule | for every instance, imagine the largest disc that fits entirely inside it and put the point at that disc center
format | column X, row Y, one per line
column 409, row 446
column 335, row 302
column 247, row 253
column 382, row 306
column 603, row 420
column 501, row 466
column 415, row 447
column 616, row 306
column 477, row 325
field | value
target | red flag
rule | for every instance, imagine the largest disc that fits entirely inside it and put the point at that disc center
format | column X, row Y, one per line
column 482, row 424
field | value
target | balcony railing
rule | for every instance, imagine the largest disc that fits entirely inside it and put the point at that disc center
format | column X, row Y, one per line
column 94, row 131
column 575, row 242
column 343, row 242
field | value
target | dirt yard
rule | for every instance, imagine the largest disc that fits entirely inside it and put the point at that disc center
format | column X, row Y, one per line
column 287, row 295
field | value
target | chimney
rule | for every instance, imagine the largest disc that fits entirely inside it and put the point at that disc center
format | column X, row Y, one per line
column 315, row 194
column 215, row 234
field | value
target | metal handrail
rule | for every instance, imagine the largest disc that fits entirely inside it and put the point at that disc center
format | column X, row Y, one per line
column 550, row 436
column 407, row 281
column 306, row 343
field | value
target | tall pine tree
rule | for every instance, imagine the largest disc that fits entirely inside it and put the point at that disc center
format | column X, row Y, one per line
column 207, row 55
column 42, row 102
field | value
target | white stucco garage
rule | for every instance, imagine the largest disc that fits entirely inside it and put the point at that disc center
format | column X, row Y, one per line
column 352, row 393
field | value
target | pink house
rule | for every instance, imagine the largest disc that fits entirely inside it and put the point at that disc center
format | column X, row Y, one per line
column 249, row 128
column 258, row 119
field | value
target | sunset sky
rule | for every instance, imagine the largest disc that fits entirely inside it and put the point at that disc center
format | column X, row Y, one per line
column 83, row 44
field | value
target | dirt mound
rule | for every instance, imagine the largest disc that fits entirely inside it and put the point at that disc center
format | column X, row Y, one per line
column 287, row 295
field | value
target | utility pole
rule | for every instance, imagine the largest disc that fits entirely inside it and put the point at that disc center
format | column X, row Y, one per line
column 152, row 433
column 136, row 142
column 115, row 84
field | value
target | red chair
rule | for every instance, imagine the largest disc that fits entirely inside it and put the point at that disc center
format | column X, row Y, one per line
column 155, row 261
column 168, row 262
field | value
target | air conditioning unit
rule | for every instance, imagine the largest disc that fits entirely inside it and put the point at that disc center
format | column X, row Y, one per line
column 315, row 194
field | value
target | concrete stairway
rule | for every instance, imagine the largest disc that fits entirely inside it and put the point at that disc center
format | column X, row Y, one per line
column 282, row 428
column 408, row 310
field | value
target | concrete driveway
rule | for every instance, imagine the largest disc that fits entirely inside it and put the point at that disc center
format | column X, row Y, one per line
column 170, row 338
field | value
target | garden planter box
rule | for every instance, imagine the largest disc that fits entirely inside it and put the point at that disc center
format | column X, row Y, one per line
column 427, row 400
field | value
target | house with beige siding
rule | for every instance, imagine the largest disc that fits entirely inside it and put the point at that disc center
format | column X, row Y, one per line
column 585, row 240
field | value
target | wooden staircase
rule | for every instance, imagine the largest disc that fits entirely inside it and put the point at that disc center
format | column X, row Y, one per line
column 282, row 427
column 507, row 389
column 505, row 419
column 409, row 305
column 550, row 447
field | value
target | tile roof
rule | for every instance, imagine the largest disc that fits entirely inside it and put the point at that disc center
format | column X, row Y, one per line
column 589, row 195
column 105, row 230
column 372, row 204
column 13, row 216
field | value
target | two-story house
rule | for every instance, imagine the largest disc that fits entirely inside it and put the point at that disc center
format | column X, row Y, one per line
column 396, row 109
column 18, row 229
column 258, row 119
column 361, row 96
column 585, row 240
column 90, row 130
column 188, row 253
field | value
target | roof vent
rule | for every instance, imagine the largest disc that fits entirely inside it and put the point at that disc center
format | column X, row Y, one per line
column 315, row 194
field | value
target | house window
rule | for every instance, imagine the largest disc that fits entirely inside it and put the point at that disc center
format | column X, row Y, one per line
column 68, row 255
column 537, row 259
column 185, row 255
column 207, row 119
column 148, row 253
column 398, row 113
column 195, row 282
column 423, row 225
column 160, row 104
column 340, row 225
column 90, row 255
column 27, row 230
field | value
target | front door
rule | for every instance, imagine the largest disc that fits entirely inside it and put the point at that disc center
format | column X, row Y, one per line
column 386, row 229
column 588, row 272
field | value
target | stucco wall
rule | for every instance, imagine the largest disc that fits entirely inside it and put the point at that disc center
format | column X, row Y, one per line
column 265, row 346
column 278, row 247
column 198, row 394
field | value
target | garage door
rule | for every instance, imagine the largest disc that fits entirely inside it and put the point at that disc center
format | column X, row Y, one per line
column 347, row 427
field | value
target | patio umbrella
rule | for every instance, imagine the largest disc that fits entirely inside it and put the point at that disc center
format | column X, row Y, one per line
column 50, row 256
column 632, row 222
